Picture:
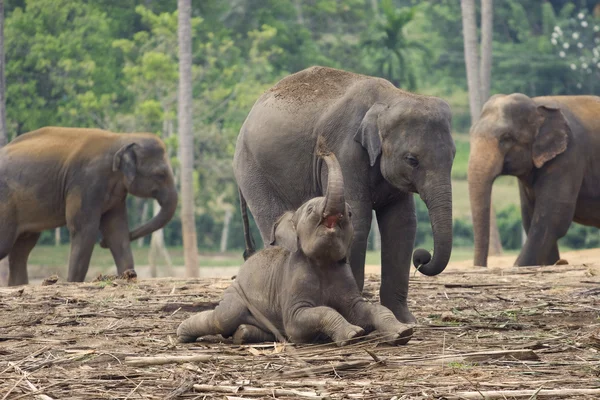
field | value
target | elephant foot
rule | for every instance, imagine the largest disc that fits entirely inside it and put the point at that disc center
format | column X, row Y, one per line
column 403, row 314
column 348, row 335
column 251, row 334
column 186, row 339
column 396, row 337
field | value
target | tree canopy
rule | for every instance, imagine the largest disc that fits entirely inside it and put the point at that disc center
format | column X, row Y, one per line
column 113, row 64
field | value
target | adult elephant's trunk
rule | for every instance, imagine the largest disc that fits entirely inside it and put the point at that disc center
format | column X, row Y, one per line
column 439, row 204
column 167, row 200
column 485, row 164
column 335, row 203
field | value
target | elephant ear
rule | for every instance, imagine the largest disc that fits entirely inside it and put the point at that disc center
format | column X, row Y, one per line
column 284, row 232
column 125, row 160
column 368, row 132
column 552, row 136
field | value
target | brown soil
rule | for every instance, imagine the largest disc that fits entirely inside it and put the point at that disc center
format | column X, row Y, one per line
column 530, row 329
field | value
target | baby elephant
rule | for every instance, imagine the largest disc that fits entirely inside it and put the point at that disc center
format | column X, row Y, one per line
column 302, row 288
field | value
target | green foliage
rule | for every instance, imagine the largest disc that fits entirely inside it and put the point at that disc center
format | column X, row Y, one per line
column 57, row 72
column 113, row 64
column 389, row 48
column 461, row 159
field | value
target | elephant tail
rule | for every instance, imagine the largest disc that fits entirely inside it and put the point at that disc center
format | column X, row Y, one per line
column 250, row 246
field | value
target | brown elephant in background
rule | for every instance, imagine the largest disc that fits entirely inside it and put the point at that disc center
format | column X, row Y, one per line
column 552, row 145
column 80, row 178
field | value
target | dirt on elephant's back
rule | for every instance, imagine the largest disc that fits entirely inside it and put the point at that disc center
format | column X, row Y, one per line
column 314, row 83
column 511, row 330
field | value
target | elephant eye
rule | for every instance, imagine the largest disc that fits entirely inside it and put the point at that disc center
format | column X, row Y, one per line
column 309, row 209
column 411, row 160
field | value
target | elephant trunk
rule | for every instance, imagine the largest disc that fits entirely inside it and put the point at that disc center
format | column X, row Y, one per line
column 335, row 203
column 439, row 204
column 485, row 164
column 168, row 204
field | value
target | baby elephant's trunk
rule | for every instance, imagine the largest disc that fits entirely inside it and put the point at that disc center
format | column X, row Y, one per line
column 335, row 204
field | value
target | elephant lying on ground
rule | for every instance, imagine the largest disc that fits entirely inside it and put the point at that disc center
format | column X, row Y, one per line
column 389, row 143
column 301, row 289
column 551, row 144
column 79, row 177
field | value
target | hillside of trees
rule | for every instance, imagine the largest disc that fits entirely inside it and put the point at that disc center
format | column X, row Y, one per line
column 113, row 64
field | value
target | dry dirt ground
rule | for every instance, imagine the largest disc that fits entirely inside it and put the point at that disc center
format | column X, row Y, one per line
column 500, row 332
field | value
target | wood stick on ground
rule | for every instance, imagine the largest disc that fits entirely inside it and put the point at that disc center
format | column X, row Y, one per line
column 161, row 360
column 324, row 369
column 503, row 394
column 252, row 391
column 31, row 385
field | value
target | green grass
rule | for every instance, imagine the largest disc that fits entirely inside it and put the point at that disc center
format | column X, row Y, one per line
column 461, row 159
column 53, row 256
column 57, row 257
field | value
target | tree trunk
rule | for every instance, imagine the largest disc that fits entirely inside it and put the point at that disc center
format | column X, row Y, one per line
column 485, row 69
column 495, row 241
column 376, row 233
column 485, row 75
column 471, row 57
column 225, row 232
column 299, row 15
column 140, row 241
column 157, row 247
column 479, row 78
column 57, row 237
column 3, row 132
column 186, row 139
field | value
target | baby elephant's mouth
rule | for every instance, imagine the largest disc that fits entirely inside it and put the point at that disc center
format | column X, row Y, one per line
column 331, row 221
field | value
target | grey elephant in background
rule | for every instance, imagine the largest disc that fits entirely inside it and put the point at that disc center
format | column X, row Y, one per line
column 551, row 144
column 389, row 143
column 302, row 288
column 79, row 177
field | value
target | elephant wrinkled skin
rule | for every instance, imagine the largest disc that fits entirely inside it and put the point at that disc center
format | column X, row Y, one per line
column 80, row 178
column 389, row 143
column 301, row 289
column 551, row 144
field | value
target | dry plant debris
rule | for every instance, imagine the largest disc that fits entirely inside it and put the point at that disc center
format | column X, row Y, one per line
column 516, row 333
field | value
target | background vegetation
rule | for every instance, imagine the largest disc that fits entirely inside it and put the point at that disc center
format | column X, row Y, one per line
column 112, row 64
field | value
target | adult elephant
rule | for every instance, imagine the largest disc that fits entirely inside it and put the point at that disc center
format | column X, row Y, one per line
column 389, row 143
column 79, row 177
column 551, row 144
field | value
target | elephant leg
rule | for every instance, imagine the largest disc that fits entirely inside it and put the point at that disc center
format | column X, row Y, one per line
column 115, row 231
column 551, row 218
column 382, row 320
column 225, row 319
column 308, row 322
column 362, row 214
column 247, row 333
column 18, row 256
column 398, row 226
column 83, row 227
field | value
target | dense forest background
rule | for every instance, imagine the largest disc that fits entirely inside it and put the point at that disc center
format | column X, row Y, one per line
column 113, row 64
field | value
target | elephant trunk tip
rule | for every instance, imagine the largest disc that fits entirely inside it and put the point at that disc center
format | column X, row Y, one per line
column 421, row 260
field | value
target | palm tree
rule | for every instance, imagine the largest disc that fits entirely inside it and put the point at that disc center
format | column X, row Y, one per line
column 479, row 79
column 391, row 47
column 471, row 57
column 186, row 138
column 3, row 132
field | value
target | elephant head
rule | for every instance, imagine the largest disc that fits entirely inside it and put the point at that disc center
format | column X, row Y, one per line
column 513, row 136
column 411, row 138
column 321, row 228
column 147, row 173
